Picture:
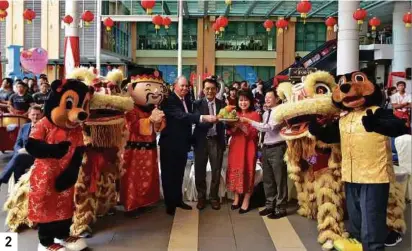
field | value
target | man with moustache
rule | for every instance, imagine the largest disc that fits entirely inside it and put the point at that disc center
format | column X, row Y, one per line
column 209, row 145
column 175, row 143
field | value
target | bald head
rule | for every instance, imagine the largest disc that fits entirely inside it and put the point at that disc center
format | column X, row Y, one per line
column 181, row 86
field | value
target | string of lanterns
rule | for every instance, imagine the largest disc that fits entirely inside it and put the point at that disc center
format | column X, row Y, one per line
column 3, row 7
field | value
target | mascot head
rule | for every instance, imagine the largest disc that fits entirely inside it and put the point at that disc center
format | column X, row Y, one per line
column 303, row 102
column 104, row 126
column 356, row 90
column 68, row 104
column 147, row 90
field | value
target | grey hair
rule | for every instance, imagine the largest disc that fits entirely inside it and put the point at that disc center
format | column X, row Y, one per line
column 179, row 78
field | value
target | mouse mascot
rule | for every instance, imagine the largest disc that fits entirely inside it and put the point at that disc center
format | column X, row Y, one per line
column 95, row 190
column 313, row 165
column 56, row 142
column 367, row 171
column 140, row 186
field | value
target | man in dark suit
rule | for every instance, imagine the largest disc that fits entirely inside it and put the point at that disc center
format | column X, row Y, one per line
column 209, row 144
column 175, row 143
column 21, row 159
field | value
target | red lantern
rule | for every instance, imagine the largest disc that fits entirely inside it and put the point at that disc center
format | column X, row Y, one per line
column 281, row 24
column 157, row 21
column 222, row 22
column 330, row 22
column 166, row 22
column 148, row 5
column 360, row 15
column 268, row 24
column 216, row 27
column 29, row 15
column 68, row 19
column 407, row 19
column 303, row 8
column 108, row 22
column 87, row 17
column 3, row 15
column 374, row 22
column 3, row 7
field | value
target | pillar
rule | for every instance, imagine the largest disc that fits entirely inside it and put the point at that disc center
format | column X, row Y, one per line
column 285, row 47
column 71, row 39
column 133, row 41
column 50, row 25
column 402, row 38
column 348, row 38
column 206, row 51
column 15, row 24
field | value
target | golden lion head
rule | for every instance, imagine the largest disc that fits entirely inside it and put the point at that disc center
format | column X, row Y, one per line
column 304, row 102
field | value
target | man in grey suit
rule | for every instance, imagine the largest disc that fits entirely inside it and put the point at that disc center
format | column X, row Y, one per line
column 209, row 144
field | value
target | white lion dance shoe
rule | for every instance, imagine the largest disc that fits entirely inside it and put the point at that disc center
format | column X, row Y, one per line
column 73, row 243
column 54, row 247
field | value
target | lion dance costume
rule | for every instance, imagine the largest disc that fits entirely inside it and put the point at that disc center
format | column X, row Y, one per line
column 95, row 190
column 313, row 165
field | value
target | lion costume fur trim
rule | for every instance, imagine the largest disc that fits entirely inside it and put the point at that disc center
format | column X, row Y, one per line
column 116, row 76
column 17, row 204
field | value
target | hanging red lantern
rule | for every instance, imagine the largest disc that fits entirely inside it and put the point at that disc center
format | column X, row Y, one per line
column 268, row 24
column 407, row 19
column 3, row 15
column 148, row 5
column 29, row 15
column 330, row 22
column 222, row 22
column 360, row 15
column 303, row 8
column 216, row 28
column 108, row 22
column 166, row 22
column 68, row 19
column 281, row 24
column 3, row 7
column 87, row 17
column 157, row 21
column 374, row 22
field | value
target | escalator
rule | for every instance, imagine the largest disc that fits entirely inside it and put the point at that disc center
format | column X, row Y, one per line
column 322, row 58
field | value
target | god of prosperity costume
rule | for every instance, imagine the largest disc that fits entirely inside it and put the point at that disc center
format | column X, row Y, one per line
column 95, row 190
column 313, row 165
column 56, row 142
column 139, row 186
column 366, row 162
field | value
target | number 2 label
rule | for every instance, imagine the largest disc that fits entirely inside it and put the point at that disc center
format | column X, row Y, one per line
column 8, row 241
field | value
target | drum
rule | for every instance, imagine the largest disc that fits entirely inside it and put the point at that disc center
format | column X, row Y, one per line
column 9, row 136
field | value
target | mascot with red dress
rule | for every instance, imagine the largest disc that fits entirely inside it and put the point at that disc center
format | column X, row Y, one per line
column 140, row 185
column 56, row 142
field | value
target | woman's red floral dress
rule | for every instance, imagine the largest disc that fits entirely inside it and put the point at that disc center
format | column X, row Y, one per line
column 240, row 175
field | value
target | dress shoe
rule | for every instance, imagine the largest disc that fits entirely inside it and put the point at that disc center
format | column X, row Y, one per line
column 171, row 211
column 235, row 207
column 215, row 204
column 266, row 211
column 184, row 206
column 277, row 214
column 201, row 204
column 86, row 234
column 243, row 211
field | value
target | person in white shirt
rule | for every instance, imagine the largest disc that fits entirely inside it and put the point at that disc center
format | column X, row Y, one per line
column 274, row 167
column 401, row 102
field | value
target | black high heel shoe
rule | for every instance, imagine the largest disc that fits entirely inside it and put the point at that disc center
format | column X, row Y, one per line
column 235, row 207
column 243, row 211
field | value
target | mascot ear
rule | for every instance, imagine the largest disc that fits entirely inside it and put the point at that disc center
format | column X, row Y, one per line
column 342, row 80
column 359, row 77
column 56, row 85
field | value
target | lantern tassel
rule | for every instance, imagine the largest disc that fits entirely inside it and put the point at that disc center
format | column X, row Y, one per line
column 408, row 25
column 280, row 31
column 29, row 22
column 2, row 12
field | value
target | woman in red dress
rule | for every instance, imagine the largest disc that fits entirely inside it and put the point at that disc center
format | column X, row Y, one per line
column 240, row 176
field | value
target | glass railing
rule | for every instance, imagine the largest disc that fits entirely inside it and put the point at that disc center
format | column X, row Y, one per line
column 238, row 43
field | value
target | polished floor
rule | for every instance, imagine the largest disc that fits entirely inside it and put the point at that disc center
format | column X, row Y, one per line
column 208, row 230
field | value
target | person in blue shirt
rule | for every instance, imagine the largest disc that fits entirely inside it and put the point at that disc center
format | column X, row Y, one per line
column 21, row 159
